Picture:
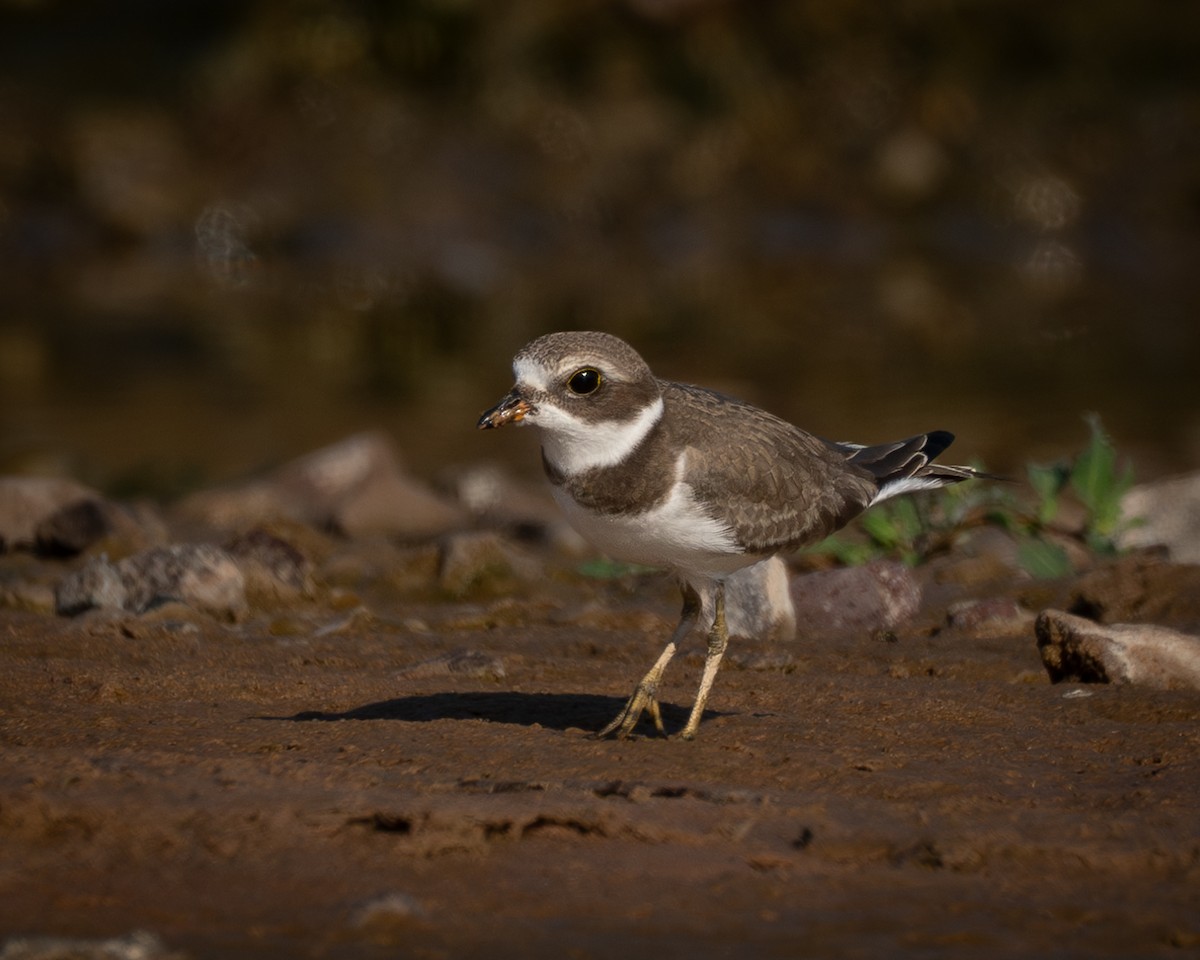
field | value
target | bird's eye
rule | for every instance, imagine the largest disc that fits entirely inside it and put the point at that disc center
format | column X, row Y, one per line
column 584, row 381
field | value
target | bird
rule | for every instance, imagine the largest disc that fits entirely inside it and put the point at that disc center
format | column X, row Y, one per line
column 684, row 478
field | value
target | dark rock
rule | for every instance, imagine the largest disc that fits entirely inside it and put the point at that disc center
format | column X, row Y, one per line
column 25, row 502
column 72, row 529
column 878, row 595
column 273, row 567
column 1076, row 649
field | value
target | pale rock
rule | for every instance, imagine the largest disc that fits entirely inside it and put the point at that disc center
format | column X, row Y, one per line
column 758, row 602
column 1165, row 513
column 1080, row 650
column 879, row 595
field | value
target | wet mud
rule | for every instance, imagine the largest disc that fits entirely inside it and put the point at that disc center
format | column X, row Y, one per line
column 417, row 778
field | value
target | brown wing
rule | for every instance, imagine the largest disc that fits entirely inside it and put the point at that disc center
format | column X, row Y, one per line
column 776, row 486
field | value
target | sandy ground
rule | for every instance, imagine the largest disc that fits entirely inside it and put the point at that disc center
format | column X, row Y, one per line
column 309, row 784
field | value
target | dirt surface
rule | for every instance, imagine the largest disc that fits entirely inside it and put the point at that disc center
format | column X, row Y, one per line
column 316, row 782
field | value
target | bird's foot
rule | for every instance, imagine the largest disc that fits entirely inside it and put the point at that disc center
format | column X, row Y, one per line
column 643, row 700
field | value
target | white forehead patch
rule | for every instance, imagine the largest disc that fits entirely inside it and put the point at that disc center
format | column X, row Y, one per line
column 573, row 445
column 531, row 373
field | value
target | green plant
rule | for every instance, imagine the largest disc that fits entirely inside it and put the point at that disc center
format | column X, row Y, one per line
column 913, row 527
column 1100, row 484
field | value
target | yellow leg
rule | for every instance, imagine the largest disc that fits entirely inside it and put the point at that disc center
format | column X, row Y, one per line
column 718, row 640
column 645, row 694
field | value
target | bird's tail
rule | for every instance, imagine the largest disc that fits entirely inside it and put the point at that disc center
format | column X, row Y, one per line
column 907, row 465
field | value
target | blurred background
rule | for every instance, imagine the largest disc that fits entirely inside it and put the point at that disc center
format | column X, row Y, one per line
column 233, row 230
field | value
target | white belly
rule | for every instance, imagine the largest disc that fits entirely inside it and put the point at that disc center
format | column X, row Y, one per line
column 676, row 534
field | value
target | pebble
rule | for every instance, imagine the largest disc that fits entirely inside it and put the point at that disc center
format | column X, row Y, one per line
column 990, row 614
column 460, row 663
column 387, row 914
column 1080, row 650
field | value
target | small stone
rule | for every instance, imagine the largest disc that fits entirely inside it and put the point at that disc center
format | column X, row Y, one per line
column 1080, row 650
column 994, row 614
column 878, row 595
column 461, row 663
column 386, row 916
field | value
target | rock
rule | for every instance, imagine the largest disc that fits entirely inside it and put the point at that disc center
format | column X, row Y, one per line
column 758, row 602
column 356, row 487
column 93, row 522
column 274, row 569
column 1079, row 650
column 482, row 562
column 524, row 511
column 25, row 502
column 1138, row 587
column 139, row 945
column 876, row 596
column 200, row 575
column 1165, row 513
column 989, row 615
column 239, row 507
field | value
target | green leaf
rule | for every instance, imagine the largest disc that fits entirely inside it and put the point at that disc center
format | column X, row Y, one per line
column 1098, row 485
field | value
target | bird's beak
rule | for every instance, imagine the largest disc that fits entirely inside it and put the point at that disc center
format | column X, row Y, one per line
column 512, row 409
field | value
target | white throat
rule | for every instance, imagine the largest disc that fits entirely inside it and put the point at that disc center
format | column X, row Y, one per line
column 573, row 445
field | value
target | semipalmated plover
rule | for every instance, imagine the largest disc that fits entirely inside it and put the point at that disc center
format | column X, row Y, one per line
column 675, row 476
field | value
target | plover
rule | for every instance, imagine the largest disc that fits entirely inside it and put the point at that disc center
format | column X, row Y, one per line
column 676, row 476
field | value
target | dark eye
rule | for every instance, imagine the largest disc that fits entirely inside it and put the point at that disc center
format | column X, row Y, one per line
column 584, row 381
